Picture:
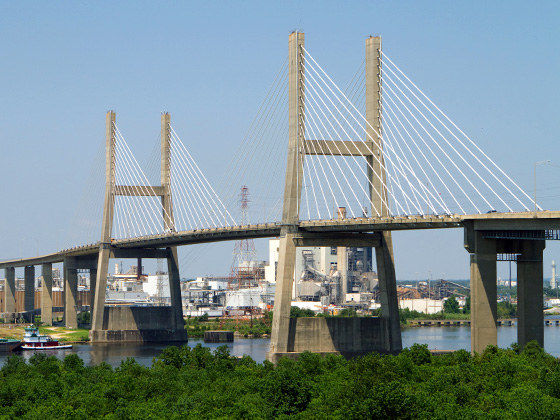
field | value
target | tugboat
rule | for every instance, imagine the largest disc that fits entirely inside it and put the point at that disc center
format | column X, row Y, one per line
column 9, row 344
column 32, row 340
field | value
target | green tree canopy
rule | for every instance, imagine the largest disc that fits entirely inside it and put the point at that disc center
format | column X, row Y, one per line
column 451, row 306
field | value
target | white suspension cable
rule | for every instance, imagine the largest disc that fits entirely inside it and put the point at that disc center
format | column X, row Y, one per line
column 143, row 230
column 189, row 172
column 388, row 107
column 450, row 145
column 388, row 124
column 352, row 105
column 139, row 179
column 468, row 138
column 440, row 148
column 337, row 164
column 181, row 186
column 317, row 158
column 193, row 198
column 371, row 151
column 206, row 183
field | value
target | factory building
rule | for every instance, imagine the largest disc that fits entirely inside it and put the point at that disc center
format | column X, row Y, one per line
column 330, row 275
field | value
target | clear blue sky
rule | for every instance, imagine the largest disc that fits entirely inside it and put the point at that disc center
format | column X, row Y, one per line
column 492, row 66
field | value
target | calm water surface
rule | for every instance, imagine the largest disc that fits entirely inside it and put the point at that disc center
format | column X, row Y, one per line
column 442, row 338
column 114, row 354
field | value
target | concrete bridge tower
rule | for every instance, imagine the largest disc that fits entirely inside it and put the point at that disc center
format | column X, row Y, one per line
column 346, row 336
column 135, row 323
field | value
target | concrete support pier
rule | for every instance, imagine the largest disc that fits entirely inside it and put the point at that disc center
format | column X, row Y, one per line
column 29, row 284
column 484, row 306
column 70, row 293
column 485, row 239
column 283, row 297
column 92, row 287
column 177, row 323
column 530, row 314
column 10, row 290
column 388, row 294
column 46, row 294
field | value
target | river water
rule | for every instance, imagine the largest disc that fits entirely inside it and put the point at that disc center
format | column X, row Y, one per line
column 440, row 338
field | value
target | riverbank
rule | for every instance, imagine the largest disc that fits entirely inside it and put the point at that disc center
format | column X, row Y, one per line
column 62, row 334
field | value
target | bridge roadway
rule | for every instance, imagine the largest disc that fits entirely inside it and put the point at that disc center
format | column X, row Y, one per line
column 543, row 220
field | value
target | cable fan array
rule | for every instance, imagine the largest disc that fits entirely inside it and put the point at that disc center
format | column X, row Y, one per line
column 195, row 204
column 137, row 215
column 431, row 166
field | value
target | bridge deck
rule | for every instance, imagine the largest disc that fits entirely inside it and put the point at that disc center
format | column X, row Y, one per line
column 544, row 220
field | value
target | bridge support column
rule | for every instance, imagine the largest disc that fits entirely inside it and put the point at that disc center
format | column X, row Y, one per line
column 97, row 312
column 283, row 297
column 70, row 293
column 484, row 307
column 175, row 289
column 29, row 293
column 92, row 285
column 10, row 290
column 46, row 294
column 388, row 294
column 530, row 317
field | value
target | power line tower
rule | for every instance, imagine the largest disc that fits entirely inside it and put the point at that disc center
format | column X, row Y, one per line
column 244, row 273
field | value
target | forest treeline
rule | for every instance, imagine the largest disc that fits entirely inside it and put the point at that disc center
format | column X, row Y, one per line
column 193, row 383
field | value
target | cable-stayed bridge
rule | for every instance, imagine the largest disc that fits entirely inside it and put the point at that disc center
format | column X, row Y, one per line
column 361, row 162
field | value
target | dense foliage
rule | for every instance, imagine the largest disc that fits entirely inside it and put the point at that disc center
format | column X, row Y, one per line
column 451, row 306
column 551, row 293
column 508, row 291
column 192, row 383
column 507, row 310
column 255, row 327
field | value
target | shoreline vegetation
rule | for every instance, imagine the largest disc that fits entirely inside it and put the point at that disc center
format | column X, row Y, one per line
column 261, row 326
column 185, row 382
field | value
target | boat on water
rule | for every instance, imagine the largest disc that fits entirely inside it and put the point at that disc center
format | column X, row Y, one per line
column 9, row 344
column 32, row 340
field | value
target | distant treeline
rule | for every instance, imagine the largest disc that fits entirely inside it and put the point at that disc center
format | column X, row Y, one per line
column 193, row 383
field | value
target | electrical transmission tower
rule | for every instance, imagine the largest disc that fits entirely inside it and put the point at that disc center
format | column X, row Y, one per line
column 244, row 272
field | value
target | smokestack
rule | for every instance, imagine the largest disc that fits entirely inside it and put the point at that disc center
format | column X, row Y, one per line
column 553, row 284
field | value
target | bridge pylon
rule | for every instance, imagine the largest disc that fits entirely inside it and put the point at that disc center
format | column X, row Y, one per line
column 136, row 323
column 349, row 337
